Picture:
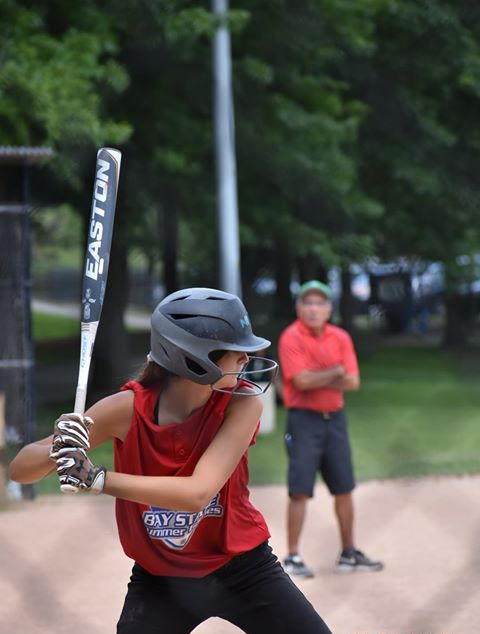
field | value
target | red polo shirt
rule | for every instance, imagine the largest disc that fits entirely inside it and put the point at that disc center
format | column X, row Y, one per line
column 300, row 349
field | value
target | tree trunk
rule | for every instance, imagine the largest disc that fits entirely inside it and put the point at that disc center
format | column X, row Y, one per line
column 456, row 324
column 283, row 301
column 310, row 268
column 3, row 458
column 346, row 300
column 110, row 366
column 169, row 231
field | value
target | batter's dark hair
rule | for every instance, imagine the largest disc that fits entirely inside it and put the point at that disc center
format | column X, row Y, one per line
column 154, row 374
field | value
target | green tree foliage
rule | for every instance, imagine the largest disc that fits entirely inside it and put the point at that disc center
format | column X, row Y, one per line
column 57, row 64
column 418, row 146
column 419, row 142
column 297, row 126
column 356, row 127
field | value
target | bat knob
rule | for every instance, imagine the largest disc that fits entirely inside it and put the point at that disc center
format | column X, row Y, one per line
column 69, row 488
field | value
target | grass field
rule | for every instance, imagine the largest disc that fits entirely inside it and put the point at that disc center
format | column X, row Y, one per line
column 53, row 327
column 417, row 413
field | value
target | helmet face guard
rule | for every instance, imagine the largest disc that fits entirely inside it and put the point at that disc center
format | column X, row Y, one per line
column 255, row 378
column 189, row 325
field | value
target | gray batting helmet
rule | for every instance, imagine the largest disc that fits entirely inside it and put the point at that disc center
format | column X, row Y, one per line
column 188, row 325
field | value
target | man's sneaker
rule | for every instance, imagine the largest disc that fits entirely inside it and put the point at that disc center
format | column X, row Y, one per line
column 294, row 565
column 352, row 559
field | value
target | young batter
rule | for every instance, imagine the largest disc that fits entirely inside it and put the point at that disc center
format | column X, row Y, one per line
column 181, row 435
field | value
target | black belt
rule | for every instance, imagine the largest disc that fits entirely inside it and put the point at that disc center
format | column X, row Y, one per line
column 328, row 415
column 324, row 415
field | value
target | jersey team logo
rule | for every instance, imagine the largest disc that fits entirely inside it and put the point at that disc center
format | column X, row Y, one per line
column 175, row 528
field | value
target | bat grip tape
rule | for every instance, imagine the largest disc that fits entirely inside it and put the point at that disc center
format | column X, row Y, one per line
column 87, row 339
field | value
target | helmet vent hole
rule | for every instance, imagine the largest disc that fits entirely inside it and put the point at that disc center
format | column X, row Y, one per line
column 165, row 351
column 218, row 299
column 179, row 299
column 193, row 366
column 177, row 316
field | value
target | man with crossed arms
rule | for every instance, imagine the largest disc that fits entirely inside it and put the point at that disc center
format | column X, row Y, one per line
column 318, row 364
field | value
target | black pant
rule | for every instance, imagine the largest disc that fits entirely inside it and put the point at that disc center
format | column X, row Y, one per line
column 252, row 591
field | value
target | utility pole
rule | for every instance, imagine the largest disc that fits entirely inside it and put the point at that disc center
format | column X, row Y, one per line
column 227, row 205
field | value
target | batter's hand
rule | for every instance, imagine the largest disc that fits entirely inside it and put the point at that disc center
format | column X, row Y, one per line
column 71, row 430
column 76, row 472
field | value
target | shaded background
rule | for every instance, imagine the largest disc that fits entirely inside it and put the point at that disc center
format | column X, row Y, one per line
column 357, row 152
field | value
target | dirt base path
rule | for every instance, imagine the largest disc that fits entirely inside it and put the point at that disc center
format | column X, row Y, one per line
column 62, row 569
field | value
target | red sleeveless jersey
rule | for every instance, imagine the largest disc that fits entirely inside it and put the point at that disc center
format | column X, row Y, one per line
column 172, row 542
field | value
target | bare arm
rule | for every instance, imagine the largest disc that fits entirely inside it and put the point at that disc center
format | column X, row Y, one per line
column 112, row 417
column 347, row 383
column 313, row 379
column 32, row 463
column 193, row 493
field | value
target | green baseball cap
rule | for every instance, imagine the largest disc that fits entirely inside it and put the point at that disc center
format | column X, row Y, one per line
column 315, row 285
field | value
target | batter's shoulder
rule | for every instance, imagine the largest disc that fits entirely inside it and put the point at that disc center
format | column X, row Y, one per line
column 113, row 414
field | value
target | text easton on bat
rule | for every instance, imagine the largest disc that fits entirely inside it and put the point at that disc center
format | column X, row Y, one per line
column 95, row 263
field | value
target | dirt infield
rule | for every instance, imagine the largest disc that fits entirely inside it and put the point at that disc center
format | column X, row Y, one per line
column 62, row 569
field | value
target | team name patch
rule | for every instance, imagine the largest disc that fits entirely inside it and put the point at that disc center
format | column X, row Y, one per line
column 175, row 528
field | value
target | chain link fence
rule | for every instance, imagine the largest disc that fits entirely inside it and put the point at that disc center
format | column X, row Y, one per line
column 16, row 356
column 17, row 407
